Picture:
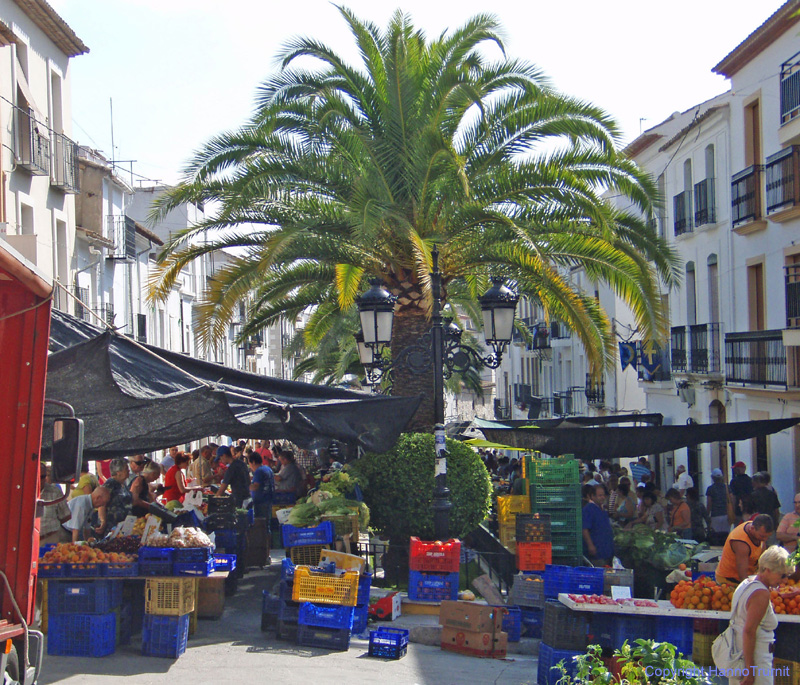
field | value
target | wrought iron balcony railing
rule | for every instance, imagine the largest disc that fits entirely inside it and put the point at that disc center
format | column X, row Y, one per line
column 792, row 280
column 682, row 205
column 746, row 195
column 790, row 89
column 704, row 342
column 678, row 348
column 65, row 164
column 783, row 180
column 33, row 143
column 704, row 202
column 595, row 391
column 755, row 358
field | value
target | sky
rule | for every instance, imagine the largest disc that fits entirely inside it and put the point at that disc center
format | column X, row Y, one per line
column 177, row 72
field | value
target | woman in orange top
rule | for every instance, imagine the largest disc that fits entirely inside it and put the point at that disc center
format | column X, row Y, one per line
column 175, row 487
column 680, row 517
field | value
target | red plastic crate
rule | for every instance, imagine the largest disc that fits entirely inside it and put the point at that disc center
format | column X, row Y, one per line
column 435, row 557
column 534, row 556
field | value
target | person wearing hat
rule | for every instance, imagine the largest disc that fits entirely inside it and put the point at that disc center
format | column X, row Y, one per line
column 717, row 504
column 741, row 486
column 683, row 481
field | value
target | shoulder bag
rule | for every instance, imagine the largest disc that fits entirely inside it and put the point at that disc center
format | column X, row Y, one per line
column 723, row 649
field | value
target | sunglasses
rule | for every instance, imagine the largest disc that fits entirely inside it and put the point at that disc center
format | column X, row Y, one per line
column 138, row 463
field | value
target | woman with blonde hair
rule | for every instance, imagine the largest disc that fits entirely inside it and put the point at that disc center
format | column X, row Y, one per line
column 753, row 619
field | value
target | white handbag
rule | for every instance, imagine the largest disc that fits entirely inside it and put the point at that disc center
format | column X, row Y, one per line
column 723, row 649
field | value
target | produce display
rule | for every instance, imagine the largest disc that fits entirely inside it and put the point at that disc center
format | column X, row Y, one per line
column 188, row 537
column 71, row 553
column 126, row 544
column 703, row 594
column 662, row 550
column 604, row 599
column 308, row 511
column 785, row 605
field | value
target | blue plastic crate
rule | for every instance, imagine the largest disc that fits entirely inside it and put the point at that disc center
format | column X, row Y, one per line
column 155, row 568
column 364, row 586
column 287, row 569
column 87, row 570
column 186, row 554
column 512, row 622
column 388, row 643
column 323, row 534
column 432, row 587
column 677, row 631
column 165, row 636
column 193, row 568
column 54, row 570
column 44, row 549
column 324, row 638
column 360, row 618
column 124, row 624
column 270, row 603
column 188, row 520
column 288, row 611
column 532, row 621
column 287, row 630
column 83, row 596
column 91, row 635
column 284, row 498
column 326, row 616
column 549, row 658
column 226, row 538
column 225, row 562
column 157, row 554
column 611, row 630
column 121, row 569
column 582, row 580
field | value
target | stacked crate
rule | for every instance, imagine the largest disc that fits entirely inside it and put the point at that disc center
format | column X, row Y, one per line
column 527, row 595
column 534, row 548
column 83, row 617
column 434, row 570
column 508, row 506
column 327, row 598
column 305, row 545
column 230, row 529
column 555, row 491
column 168, row 604
column 352, row 562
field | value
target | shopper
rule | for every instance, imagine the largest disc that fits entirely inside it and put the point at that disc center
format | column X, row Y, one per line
column 598, row 536
column 651, row 512
column 81, row 509
column 237, row 477
column 717, row 503
column 175, row 487
column 86, row 483
column 701, row 520
column 741, row 486
column 262, row 488
column 119, row 504
column 680, row 516
column 625, row 511
column 683, row 481
column 787, row 532
column 54, row 516
column 744, row 546
column 141, row 495
column 289, row 478
column 764, row 499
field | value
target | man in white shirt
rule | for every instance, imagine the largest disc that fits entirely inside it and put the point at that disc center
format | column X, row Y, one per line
column 683, row 481
column 81, row 508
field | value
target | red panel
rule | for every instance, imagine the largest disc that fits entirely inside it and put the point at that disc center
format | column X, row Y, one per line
column 24, row 335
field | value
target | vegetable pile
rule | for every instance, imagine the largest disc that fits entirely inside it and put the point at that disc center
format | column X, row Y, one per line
column 642, row 543
column 308, row 512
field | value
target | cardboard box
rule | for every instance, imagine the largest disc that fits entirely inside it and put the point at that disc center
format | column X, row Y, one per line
column 468, row 616
column 475, row 643
column 486, row 589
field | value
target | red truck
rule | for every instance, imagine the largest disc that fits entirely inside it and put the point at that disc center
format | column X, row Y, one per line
column 25, row 302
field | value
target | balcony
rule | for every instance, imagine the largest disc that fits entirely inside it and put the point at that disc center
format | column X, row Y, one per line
column 33, row 143
column 746, row 200
column 704, row 202
column 755, row 358
column 704, row 341
column 681, row 204
column 65, row 164
column 595, row 392
column 792, row 282
column 790, row 89
column 678, row 349
column 82, row 304
column 105, row 310
column 783, row 184
column 122, row 230
column 569, row 402
column 559, row 331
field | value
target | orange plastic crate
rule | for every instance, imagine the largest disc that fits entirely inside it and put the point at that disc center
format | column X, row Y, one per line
column 534, row 556
column 325, row 588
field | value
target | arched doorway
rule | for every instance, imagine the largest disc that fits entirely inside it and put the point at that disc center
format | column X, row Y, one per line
column 719, row 450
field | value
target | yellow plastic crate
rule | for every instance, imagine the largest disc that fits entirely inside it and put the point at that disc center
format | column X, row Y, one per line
column 306, row 555
column 508, row 536
column 325, row 588
column 786, row 672
column 343, row 524
column 349, row 562
column 169, row 596
column 701, row 649
column 508, row 506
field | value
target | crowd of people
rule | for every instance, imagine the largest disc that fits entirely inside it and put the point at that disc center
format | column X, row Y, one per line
column 132, row 486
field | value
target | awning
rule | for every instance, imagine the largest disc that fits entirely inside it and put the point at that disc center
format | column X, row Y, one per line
column 136, row 398
column 603, row 442
column 488, row 444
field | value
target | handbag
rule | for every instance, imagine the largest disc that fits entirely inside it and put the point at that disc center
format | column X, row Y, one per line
column 723, row 649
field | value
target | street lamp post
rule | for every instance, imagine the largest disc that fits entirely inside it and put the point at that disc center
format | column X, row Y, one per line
column 441, row 350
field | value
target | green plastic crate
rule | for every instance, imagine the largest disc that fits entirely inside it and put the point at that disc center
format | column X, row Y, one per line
column 546, row 497
column 550, row 472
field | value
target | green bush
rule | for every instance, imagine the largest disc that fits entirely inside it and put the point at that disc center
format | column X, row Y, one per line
column 400, row 488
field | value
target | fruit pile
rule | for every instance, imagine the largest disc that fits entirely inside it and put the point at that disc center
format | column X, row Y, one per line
column 703, row 594
column 783, row 604
column 71, row 553
column 604, row 599
column 127, row 544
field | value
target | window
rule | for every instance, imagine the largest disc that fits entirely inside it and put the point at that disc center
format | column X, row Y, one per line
column 691, row 295
column 755, row 297
column 682, row 202
column 704, row 193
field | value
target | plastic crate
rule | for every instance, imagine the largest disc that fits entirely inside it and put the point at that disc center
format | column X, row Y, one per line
column 532, row 528
column 507, row 535
column 348, row 562
column 533, row 556
column 564, row 628
column 701, row 649
column 225, row 562
column 432, row 587
column 169, row 596
column 532, row 621
column 289, row 612
column 165, row 636
column 92, row 570
column 287, row 630
column 316, row 535
column 121, row 569
column 559, row 497
column 388, row 643
column 287, row 569
column 156, row 561
column 326, row 588
column 324, row 638
column 676, row 631
column 611, row 630
column 786, row 672
column 617, row 577
column 193, row 568
column 787, row 637
column 325, row 616
column 560, row 471
column 549, row 658
column 360, row 618
column 53, row 570
column 306, row 555
column 227, row 521
column 508, row 506
column 575, row 579
column 565, row 520
column 364, row 586
column 708, row 626
column 527, row 591
column 512, row 622
column 221, row 505
column 444, row 557
column 284, row 498
column 124, row 624
column 226, row 538
column 343, row 524
column 567, row 546
column 270, row 604
column 92, row 635
column 83, row 597
column 186, row 554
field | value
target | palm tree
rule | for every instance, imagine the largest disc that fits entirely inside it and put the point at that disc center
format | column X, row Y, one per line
column 346, row 173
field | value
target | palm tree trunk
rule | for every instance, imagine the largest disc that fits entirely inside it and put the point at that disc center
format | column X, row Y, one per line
column 410, row 324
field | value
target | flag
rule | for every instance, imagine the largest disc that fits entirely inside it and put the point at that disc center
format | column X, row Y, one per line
column 627, row 354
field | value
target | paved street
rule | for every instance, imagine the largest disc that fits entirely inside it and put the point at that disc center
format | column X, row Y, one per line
column 234, row 650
